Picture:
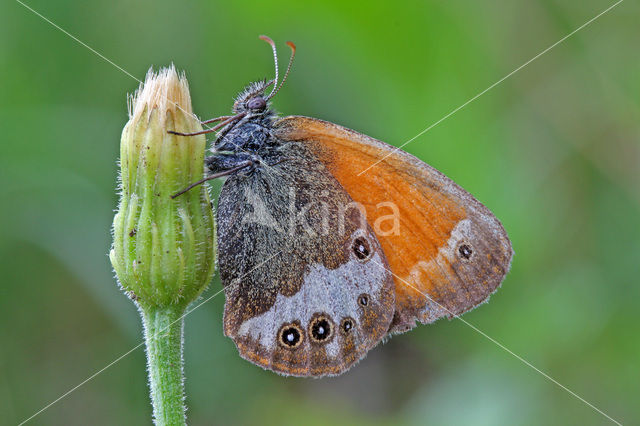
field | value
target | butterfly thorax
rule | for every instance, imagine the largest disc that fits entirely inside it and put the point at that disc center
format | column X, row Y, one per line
column 250, row 137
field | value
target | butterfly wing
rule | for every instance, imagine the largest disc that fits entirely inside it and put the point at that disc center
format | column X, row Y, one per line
column 305, row 295
column 446, row 250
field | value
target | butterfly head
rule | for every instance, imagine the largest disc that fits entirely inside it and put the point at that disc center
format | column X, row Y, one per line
column 252, row 99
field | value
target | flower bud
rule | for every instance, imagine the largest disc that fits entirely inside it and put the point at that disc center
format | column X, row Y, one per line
column 163, row 248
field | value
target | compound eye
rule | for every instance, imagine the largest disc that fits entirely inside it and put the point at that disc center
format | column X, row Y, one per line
column 257, row 103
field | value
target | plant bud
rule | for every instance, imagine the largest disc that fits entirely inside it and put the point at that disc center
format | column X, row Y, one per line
column 163, row 249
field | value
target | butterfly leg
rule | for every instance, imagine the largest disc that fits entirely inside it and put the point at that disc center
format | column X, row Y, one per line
column 221, row 162
column 223, row 172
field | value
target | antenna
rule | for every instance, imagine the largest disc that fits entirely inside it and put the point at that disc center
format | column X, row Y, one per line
column 286, row 74
column 275, row 60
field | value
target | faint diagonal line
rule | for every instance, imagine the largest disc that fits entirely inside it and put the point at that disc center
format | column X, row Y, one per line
column 115, row 361
column 492, row 86
column 264, row 164
column 82, row 383
column 80, row 41
column 500, row 345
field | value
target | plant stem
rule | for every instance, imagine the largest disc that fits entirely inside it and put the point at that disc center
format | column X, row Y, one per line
column 163, row 338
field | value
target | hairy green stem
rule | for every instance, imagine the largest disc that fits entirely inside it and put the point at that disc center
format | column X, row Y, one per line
column 163, row 337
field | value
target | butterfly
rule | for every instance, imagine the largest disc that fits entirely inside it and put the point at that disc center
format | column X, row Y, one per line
column 329, row 241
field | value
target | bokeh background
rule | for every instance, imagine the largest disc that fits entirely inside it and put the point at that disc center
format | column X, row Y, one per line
column 553, row 150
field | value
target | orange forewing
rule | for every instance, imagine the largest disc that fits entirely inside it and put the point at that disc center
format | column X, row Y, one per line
column 430, row 280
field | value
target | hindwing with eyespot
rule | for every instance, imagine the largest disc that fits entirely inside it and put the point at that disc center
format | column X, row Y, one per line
column 308, row 299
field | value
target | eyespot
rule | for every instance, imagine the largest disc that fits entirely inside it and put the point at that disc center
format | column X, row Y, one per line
column 347, row 325
column 257, row 103
column 321, row 329
column 290, row 336
column 363, row 299
column 465, row 251
column 361, row 248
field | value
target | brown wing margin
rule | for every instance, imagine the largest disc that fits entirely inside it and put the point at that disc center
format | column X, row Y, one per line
column 447, row 251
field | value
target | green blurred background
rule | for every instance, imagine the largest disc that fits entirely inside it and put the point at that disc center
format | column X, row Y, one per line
column 554, row 151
